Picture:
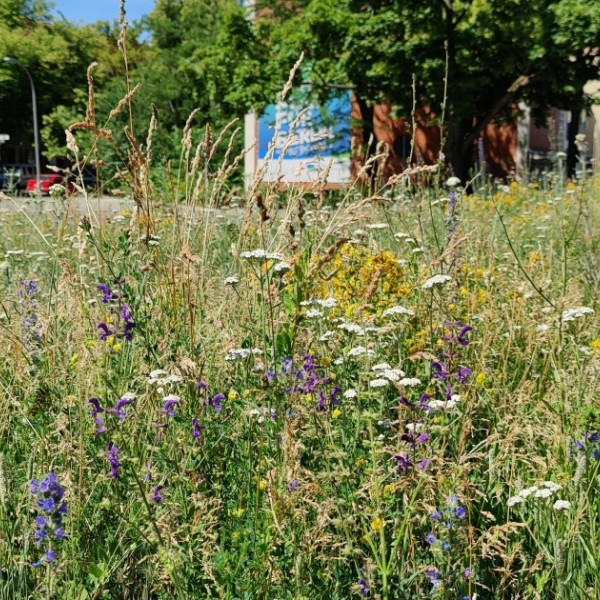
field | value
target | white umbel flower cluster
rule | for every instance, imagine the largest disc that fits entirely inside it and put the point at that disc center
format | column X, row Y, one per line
column 261, row 255
column 242, row 353
column 576, row 313
column 436, row 280
column 397, row 310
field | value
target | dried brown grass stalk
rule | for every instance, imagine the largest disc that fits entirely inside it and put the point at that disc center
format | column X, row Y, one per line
column 327, row 257
column 288, row 86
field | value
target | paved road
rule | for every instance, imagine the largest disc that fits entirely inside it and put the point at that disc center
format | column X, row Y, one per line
column 103, row 207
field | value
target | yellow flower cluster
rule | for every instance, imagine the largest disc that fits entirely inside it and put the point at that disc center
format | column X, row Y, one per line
column 362, row 278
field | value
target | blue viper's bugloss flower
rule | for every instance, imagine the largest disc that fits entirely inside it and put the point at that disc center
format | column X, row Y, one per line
column 48, row 525
column 32, row 339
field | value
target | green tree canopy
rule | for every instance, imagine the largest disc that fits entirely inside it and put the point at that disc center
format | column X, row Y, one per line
column 472, row 59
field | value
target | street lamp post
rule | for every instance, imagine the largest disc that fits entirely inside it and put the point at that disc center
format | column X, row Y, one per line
column 36, row 134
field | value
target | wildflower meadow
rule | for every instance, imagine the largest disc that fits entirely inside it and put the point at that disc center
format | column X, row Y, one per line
column 387, row 391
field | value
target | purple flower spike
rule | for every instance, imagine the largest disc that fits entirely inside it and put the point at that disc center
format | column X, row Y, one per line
column 440, row 371
column 462, row 375
column 459, row 512
column 215, row 402
column 96, row 406
column 462, row 340
column 434, row 576
column 113, row 460
column 119, row 409
column 196, row 429
column 50, row 556
column 100, row 428
column 292, row 485
column 107, row 294
column 156, row 495
column 170, row 404
column 105, row 332
column 424, row 465
column 403, row 461
column 424, row 437
column 364, row 588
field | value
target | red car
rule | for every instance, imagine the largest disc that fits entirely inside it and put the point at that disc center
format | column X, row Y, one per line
column 47, row 180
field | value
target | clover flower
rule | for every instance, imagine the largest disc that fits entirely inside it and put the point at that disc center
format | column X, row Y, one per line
column 49, row 523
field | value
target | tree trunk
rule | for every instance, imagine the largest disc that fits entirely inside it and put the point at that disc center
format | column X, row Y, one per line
column 459, row 148
column 572, row 131
column 369, row 141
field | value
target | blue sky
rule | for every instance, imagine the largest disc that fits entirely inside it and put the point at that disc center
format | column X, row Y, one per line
column 90, row 11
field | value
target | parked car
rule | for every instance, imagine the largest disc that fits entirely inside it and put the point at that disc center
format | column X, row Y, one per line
column 16, row 175
column 47, row 180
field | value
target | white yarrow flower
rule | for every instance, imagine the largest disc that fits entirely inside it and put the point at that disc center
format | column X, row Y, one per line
column 543, row 493
column 241, row 353
column 391, row 374
column 350, row 393
column 378, row 383
column 550, row 485
column 282, row 267
column 562, row 505
column 436, row 280
column 409, row 382
column 397, row 310
column 514, row 500
column 576, row 313
column 377, row 226
column 528, row 491
column 231, row 280
column 261, row 254
column 357, row 351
